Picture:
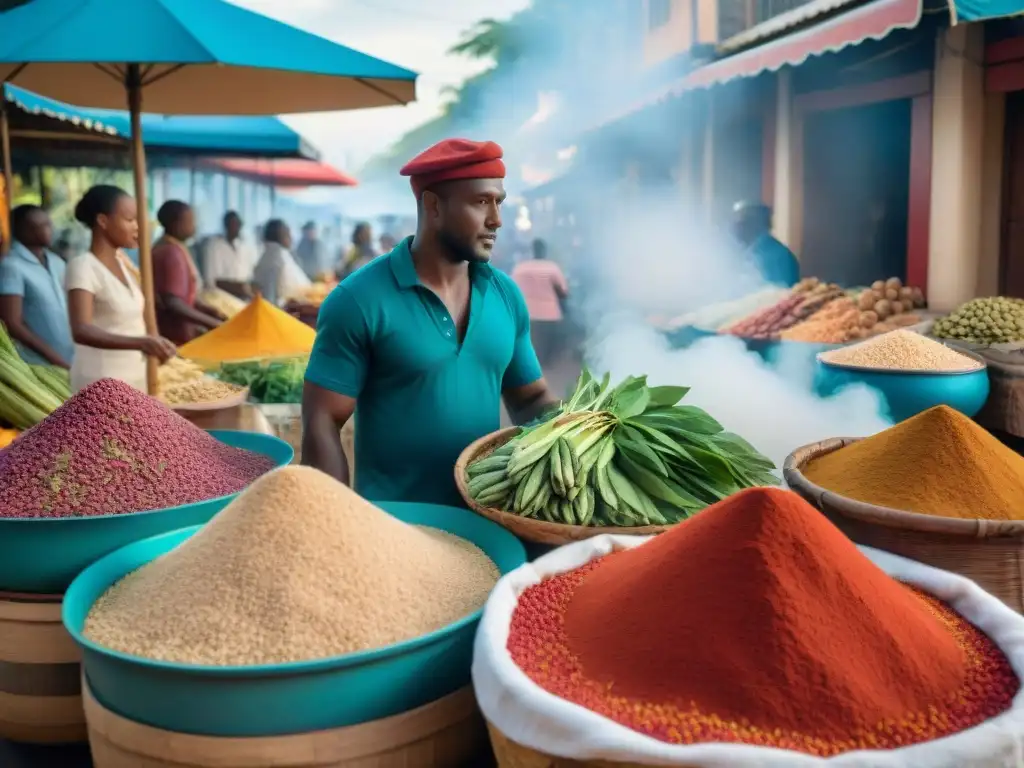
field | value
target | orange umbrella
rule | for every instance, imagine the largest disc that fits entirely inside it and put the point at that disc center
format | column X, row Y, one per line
column 285, row 173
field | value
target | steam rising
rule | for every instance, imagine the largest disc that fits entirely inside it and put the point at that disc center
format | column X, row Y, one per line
column 693, row 265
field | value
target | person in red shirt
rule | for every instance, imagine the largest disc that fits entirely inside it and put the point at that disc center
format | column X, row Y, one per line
column 176, row 279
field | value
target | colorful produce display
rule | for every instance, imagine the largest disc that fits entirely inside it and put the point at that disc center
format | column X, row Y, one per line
column 277, row 382
column 842, row 320
column 805, row 299
column 112, row 450
column 222, row 301
column 618, row 456
column 28, row 393
column 901, row 350
column 260, row 584
column 767, row 651
column 814, row 311
column 717, row 316
column 203, row 391
column 993, row 320
column 958, row 469
column 261, row 331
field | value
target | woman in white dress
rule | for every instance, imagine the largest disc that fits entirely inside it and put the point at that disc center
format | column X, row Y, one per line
column 105, row 300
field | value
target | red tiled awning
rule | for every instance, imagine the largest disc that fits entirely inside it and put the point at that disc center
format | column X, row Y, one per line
column 285, row 173
column 872, row 21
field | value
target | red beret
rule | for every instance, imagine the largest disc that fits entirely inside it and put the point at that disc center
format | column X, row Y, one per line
column 454, row 159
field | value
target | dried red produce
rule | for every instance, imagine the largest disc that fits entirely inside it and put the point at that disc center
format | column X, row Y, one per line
column 111, row 449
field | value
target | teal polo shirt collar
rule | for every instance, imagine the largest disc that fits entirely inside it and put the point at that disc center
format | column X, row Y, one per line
column 405, row 271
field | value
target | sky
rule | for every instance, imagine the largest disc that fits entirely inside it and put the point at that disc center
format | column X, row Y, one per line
column 409, row 33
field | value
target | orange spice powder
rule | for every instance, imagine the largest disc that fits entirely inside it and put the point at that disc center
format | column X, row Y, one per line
column 758, row 622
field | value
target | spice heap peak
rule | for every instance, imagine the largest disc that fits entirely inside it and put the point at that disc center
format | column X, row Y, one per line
column 938, row 462
column 758, row 622
column 902, row 350
column 298, row 567
column 111, row 449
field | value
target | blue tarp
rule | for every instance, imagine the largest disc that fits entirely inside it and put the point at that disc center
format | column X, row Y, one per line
column 979, row 10
column 253, row 136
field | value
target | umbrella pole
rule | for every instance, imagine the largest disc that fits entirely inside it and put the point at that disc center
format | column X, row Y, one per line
column 134, row 84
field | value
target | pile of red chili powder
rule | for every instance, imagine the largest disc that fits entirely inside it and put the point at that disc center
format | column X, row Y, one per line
column 758, row 622
column 111, row 449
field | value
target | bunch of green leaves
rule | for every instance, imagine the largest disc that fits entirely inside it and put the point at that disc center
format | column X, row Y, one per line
column 678, row 454
column 276, row 382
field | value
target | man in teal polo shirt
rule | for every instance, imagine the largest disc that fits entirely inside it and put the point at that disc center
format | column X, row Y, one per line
column 427, row 340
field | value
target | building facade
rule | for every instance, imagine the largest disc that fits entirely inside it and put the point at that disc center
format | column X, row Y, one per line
column 888, row 135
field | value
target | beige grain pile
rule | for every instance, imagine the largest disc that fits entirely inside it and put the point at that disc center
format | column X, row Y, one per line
column 901, row 350
column 298, row 567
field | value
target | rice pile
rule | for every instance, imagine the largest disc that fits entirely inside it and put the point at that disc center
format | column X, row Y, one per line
column 298, row 567
column 901, row 350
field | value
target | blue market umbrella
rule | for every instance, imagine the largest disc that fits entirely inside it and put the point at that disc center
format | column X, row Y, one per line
column 36, row 117
column 192, row 57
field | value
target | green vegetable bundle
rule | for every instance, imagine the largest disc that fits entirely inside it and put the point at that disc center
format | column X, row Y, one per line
column 277, row 382
column 28, row 393
column 624, row 456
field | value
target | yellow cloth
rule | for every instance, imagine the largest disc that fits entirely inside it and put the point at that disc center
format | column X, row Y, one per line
column 260, row 331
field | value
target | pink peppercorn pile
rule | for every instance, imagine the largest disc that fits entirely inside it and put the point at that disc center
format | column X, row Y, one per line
column 111, row 449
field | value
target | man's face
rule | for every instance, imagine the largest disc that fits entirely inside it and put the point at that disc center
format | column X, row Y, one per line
column 309, row 233
column 38, row 231
column 466, row 216
column 232, row 227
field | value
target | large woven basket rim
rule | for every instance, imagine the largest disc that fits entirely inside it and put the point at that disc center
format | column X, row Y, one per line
column 885, row 516
column 536, row 531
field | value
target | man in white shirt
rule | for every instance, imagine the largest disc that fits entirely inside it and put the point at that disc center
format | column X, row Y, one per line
column 278, row 275
column 228, row 260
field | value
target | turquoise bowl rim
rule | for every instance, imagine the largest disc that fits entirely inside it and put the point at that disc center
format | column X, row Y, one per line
column 899, row 372
column 291, row 668
column 161, row 510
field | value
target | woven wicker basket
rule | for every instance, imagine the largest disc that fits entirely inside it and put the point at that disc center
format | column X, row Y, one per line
column 528, row 529
column 990, row 552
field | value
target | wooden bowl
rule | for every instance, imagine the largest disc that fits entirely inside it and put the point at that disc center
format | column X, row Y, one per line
column 989, row 552
column 526, row 528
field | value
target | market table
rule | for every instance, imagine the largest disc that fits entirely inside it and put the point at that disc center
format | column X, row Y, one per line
column 245, row 417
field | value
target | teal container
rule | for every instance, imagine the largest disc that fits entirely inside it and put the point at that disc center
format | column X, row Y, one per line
column 908, row 393
column 281, row 699
column 684, row 336
column 43, row 555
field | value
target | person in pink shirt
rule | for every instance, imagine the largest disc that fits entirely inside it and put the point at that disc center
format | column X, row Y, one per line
column 544, row 287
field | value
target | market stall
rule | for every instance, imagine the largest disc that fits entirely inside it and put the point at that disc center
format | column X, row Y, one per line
column 347, row 629
column 993, row 328
column 107, row 467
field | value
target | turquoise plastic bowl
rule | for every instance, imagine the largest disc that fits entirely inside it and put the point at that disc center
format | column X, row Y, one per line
column 43, row 555
column 280, row 699
column 908, row 393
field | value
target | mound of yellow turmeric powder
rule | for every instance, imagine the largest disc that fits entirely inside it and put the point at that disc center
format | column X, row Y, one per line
column 936, row 463
column 261, row 331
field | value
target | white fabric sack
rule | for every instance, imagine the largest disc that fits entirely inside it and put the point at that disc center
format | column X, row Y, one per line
column 534, row 718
